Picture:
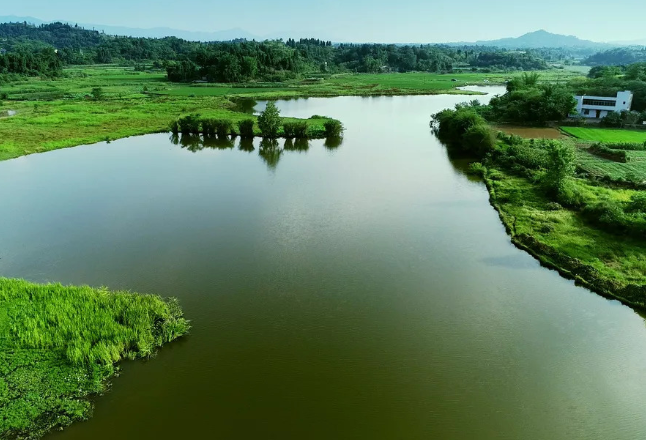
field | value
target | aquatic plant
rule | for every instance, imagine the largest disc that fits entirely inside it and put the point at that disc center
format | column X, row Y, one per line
column 59, row 344
column 246, row 128
column 223, row 127
column 333, row 128
column 295, row 129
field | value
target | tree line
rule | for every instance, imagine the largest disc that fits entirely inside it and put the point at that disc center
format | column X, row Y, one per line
column 44, row 62
column 236, row 61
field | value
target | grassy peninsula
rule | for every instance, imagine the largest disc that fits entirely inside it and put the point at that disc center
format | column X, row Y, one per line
column 589, row 226
column 59, row 345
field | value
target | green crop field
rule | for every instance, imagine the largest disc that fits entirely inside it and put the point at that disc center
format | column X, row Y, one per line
column 600, row 167
column 606, row 134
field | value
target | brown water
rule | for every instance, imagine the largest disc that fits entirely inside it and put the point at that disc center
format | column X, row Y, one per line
column 367, row 291
column 532, row 132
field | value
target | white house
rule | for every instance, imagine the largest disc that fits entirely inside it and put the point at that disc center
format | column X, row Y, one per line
column 597, row 107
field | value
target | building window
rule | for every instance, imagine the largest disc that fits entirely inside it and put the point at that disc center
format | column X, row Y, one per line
column 599, row 102
column 586, row 112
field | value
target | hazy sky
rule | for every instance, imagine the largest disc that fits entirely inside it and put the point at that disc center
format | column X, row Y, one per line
column 359, row 20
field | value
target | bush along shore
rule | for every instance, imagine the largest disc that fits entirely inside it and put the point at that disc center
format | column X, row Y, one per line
column 268, row 125
column 588, row 231
column 60, row 345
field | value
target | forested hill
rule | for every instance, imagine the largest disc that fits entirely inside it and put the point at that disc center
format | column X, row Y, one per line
column 243, row 60
column 616, row 57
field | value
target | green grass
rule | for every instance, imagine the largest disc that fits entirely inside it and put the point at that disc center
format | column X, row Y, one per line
column 59, row 346
column 527, row 211
column 611, row 135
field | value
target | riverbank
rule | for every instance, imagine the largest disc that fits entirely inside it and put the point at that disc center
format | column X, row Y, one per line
column 610, row 265
column 579, row 213
column 59, row 346
column 61, row 113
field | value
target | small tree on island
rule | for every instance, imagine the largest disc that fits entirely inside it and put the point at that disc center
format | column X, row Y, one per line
column 269, row 121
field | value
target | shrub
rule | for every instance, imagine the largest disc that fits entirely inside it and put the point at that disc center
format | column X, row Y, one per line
column 97, row 94
column 609, row 153
column 629, row 146
column 478, row 139
column 246, row 128
column 289, row 129
column 208, row 127
column 333, row 128
column 223, row 127
column 477, row 169
column 269, row 121
column 451, row 126
column 637, row 203
column 189, row 124
column 561, row 165
column 295, row 130
column 301, row 130
column 613, row 120
column 174, row 128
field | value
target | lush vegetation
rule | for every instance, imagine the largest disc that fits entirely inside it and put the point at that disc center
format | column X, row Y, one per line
column 44, row 62
column 528, row 101
column 590, row 228
column 59, row 345
column 268, row 125
column 608, row 80
column 239, row 61
column 64, row 112
column 619, row 56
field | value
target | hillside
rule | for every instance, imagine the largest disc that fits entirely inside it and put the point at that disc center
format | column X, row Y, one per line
column 158, row 32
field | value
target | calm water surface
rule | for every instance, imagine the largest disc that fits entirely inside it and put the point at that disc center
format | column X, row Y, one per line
column 366, row 291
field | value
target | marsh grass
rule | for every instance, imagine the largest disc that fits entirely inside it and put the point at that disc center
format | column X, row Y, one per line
column 59, row 345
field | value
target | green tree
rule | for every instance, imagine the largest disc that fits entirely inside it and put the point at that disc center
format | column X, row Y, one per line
column 269, row 121
column 561, row 164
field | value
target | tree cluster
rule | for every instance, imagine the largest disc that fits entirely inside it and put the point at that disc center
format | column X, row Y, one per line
column 44, row 62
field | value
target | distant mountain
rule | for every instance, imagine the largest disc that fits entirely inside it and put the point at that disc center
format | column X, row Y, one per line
column 542, row 38
column 160, row 32
column 641, row 42
column 16, row 19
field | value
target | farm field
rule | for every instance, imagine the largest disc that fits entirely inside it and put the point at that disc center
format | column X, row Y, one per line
column 600, row 167
column 606, row 134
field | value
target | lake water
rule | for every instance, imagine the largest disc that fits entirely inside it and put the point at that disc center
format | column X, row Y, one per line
column 357, row 291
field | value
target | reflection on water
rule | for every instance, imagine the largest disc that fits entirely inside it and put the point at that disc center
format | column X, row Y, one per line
column 246, row 145
column 296, row 145
column 269, row 150
column 333, row 143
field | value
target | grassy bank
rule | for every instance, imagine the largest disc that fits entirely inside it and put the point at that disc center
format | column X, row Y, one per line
column 589, row 228
column 610, row 264
column 53, row 114
column 59, row 346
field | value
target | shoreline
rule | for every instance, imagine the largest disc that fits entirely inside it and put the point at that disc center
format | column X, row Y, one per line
column 582, row 274
column 159, row 115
